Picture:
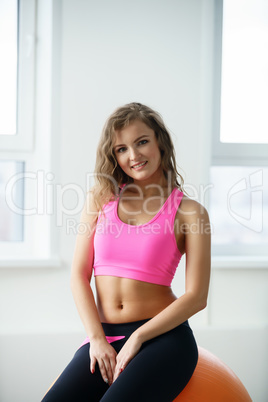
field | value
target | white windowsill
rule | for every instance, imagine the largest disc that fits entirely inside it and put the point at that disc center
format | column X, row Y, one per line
column 31, row 263
column 239, row 262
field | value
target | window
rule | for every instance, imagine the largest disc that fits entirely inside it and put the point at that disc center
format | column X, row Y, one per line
column 239, row 210
column 8, row 66
column 30, row 100
column 239, row 171
column 17, row 74
column 11, row 222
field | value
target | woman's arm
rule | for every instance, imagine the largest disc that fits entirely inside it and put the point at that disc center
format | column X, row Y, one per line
column 100, row 350
column 196, row 227
column 194, row 221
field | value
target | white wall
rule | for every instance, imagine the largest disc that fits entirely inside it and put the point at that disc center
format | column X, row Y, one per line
column 158, row 53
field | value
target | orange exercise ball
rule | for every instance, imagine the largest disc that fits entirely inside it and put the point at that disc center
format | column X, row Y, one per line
column 213, row 381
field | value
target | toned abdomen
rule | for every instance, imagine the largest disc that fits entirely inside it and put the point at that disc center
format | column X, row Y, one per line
column 125, row 300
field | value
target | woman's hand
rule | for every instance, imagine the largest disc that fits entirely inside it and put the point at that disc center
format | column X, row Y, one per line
column 126, row 354
column 103, row 353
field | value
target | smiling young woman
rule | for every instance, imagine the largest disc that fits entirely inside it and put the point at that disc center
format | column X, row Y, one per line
column 139, row 345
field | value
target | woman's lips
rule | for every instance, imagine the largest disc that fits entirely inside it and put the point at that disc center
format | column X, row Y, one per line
column 138, row 166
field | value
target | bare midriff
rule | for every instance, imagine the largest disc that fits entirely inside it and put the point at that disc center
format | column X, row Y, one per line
column 122, row 300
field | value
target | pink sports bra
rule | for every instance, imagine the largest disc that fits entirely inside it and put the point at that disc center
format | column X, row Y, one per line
column 146, row 252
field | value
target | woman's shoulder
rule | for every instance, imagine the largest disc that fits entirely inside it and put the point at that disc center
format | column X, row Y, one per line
column 191, row 209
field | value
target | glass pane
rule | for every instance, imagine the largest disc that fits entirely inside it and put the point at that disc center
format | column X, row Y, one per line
column 239, row 205
column 8, row 66
column 11, row 200
column 244, row 92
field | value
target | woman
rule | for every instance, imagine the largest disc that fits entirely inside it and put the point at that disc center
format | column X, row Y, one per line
column 139, row 223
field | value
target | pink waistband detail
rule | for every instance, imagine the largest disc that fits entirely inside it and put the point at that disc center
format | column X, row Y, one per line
column 110, row 339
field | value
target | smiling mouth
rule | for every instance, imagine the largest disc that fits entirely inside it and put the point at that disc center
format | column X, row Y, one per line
column 139, row 165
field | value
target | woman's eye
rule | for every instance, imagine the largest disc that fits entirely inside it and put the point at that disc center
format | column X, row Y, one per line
column 122, row 149
column 143, row 142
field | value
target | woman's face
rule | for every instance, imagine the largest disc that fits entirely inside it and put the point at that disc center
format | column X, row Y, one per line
column 137, row 151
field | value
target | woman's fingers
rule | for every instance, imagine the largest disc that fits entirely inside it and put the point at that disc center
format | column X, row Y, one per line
column 119, row 368
column 113, row 364
column 126, row 354
column 103, row 371
column 106, row 370
column 92, row 365
column 109, row 372
column 106, row 360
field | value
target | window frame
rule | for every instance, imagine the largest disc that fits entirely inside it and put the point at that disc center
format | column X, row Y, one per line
column 229, row 153
column 40, row 247
column 232, row 154
column 23, row 139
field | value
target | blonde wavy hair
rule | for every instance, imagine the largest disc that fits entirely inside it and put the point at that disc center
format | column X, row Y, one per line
column 109, row 176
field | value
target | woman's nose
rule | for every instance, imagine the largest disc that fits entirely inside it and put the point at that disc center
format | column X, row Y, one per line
column 133, row 153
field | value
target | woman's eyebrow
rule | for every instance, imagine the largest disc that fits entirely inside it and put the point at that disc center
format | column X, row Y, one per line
column 137, row 139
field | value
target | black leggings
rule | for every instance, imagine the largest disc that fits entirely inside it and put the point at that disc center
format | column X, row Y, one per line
column 158, row 373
